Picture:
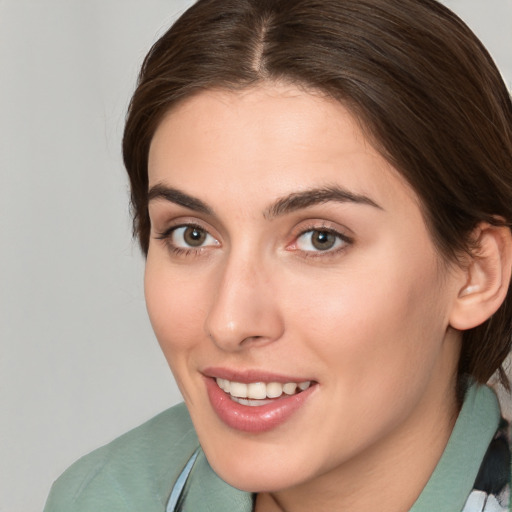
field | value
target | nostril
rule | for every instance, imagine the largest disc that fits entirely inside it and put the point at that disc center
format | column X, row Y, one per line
column 252, row 338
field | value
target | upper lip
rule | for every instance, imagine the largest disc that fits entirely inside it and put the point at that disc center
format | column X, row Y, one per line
column 251, row 375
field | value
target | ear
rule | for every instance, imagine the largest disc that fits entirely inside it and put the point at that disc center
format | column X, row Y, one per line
column 486, row 276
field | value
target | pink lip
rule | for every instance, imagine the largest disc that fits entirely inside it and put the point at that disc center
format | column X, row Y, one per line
column 248, row 376
column 255, row 419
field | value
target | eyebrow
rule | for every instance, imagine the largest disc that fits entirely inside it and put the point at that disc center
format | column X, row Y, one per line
column 290, row 203
column 178, row 197
column 312, row 197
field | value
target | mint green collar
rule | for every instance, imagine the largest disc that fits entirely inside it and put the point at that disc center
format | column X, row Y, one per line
column 454, row 476
column 446, row 491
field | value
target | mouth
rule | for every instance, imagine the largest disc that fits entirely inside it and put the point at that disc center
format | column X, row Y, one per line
column 256, row 403
column 257, row 394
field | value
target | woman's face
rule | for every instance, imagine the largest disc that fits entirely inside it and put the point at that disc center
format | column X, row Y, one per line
column 286, row 253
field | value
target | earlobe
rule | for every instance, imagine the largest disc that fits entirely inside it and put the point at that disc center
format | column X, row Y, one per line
column 487, row 277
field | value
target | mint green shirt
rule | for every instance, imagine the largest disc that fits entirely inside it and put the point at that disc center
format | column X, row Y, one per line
column 138, row 471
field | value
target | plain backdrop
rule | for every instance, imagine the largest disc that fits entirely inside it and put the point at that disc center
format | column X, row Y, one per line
column 79, row 364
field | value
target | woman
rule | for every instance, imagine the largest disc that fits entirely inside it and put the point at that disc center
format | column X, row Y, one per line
column 322, row 190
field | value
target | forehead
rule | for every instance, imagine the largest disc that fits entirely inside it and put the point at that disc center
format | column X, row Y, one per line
column 274, row 109
column 271, row 138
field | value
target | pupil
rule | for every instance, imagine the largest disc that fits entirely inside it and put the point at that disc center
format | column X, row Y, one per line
column 194, row 236
column 323, row 240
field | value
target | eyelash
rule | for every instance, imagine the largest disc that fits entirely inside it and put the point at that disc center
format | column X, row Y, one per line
column 330, row 252
column 166, row 237
column 345, row 240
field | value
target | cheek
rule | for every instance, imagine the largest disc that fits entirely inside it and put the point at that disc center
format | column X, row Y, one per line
column 378, row 322
column 379, row 347
column 175, row 308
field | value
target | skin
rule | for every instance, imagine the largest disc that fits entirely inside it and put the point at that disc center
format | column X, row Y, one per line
column 368, row 320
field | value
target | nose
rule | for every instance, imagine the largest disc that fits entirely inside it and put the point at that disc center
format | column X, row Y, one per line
column 244, row 309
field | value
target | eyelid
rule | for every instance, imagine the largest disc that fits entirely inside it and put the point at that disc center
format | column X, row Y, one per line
column 324, row 226
column 171, row 229
column 166, row 237
column 165, row 226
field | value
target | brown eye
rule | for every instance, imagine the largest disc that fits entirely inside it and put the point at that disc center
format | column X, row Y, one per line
column 323, row 240
column 191, row 237
column 320, row 240
column 194, row 237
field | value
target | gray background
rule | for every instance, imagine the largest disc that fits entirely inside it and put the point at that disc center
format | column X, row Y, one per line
column 78, row 361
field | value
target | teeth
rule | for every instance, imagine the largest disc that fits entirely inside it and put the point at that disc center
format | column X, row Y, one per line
column 249, row 402
column 257, row 390
column 274, row 389
column 289, row 388
column 238, row 389
column 260, row 390
column 304, row 385
column 223, row 384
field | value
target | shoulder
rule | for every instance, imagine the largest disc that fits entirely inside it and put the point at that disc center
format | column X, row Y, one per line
column 134, row 472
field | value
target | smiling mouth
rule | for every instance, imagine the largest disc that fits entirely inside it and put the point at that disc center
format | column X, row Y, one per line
column 256, row 401
column 256, row 394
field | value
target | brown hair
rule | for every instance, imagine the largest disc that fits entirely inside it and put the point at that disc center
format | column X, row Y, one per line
column 420, row 82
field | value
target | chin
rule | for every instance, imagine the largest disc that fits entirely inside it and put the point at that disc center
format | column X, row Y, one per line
column 258, row 466
column 263, row 480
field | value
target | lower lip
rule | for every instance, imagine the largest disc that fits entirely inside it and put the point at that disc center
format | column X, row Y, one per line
column 254, row 419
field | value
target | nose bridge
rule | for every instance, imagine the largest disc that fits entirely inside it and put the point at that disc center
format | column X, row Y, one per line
column 242, row 307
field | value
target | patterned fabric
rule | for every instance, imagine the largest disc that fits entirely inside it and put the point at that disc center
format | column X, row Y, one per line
column 492, row 486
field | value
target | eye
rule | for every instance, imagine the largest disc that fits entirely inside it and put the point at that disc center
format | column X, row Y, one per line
column 320, row 240
column 187, row 240
column 190, row 237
